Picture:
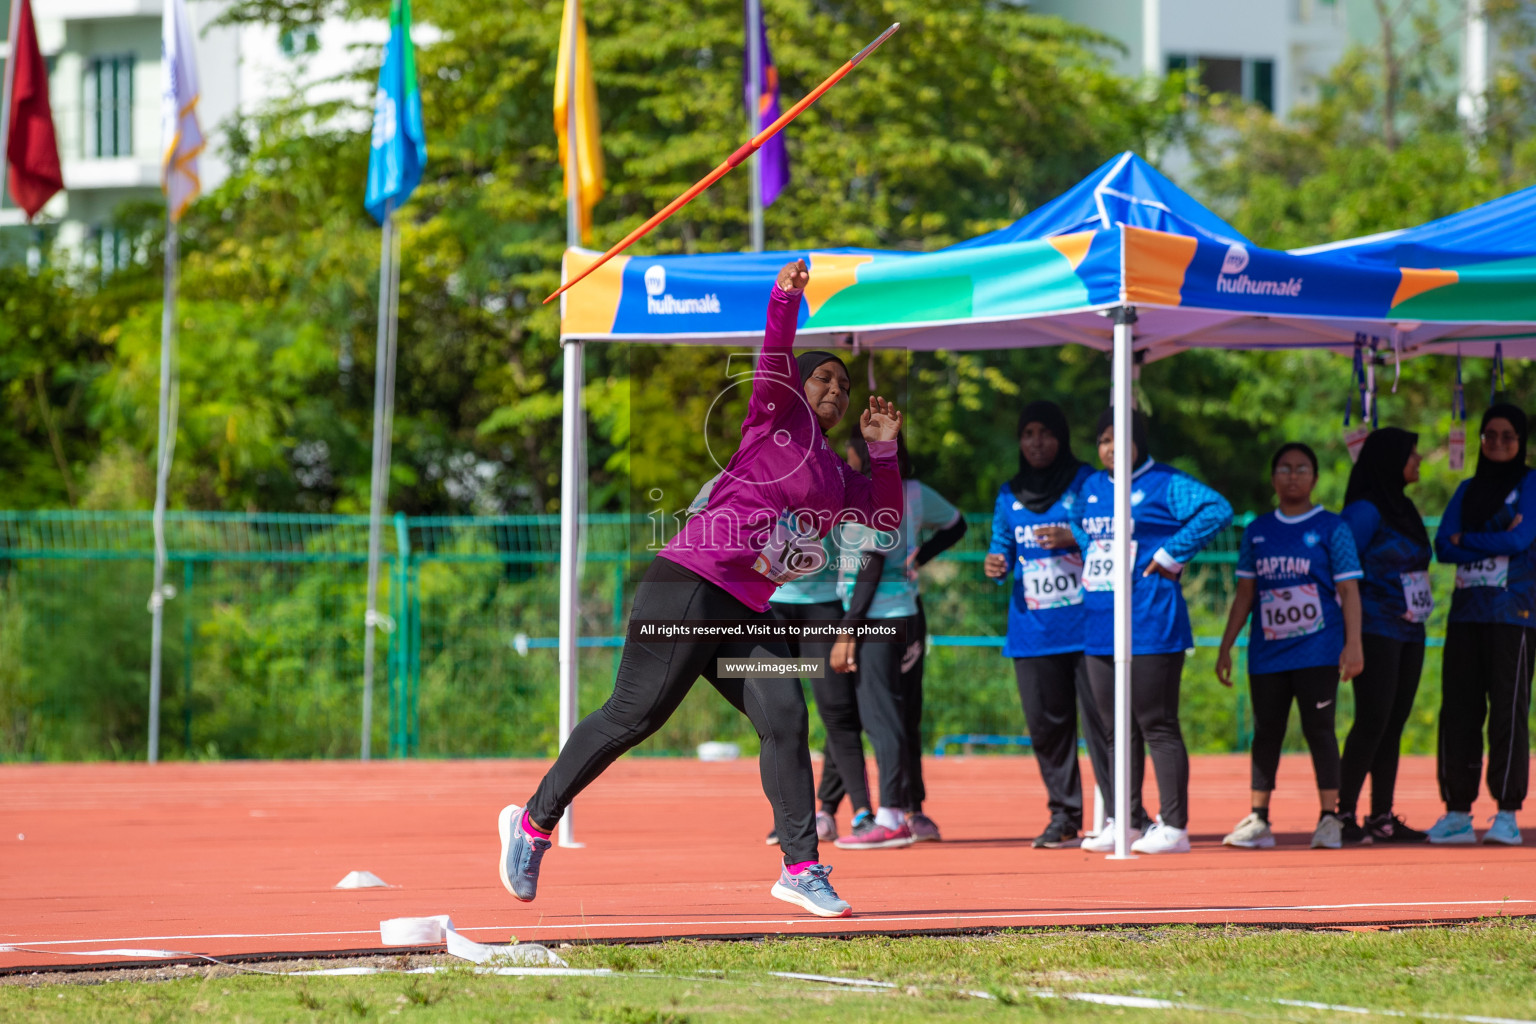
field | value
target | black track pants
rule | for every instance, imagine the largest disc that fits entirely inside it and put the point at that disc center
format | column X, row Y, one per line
column 1384, row 693
column 872, row 687
column 1048, row 688
column 1316, row 691
column 1487, row 673
column 653, row 678
column 842, row 766
column 1155, row 714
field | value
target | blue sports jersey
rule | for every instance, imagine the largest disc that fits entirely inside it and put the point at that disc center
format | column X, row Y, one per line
column 1495, row 567
column 1173, row 516
column 1396, row 576
column 1045, row 615
column 1294, row 563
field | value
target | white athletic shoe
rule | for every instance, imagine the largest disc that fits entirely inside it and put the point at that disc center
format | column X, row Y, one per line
column 1162, row 838
column 1329, row 834
column 1104, row 842
column 1252, row 833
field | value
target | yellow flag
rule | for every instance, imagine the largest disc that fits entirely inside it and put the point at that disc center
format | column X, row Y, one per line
column 589, row 147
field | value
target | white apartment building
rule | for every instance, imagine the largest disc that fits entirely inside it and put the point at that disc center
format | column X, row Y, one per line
column 104, row 85
column 1271, row 52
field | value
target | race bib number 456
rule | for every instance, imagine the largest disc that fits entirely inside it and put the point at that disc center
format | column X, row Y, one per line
column 1292, row 612
column 1055, row 581
column 1417, row 597
column 1099, row 566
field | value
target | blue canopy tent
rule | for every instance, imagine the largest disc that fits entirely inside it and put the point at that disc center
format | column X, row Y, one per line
column 1124, row 262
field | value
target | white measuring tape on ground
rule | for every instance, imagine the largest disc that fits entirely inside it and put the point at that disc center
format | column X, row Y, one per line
column 397, row 931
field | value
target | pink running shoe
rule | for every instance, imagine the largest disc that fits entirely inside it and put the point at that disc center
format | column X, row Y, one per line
column 870, row 835
column 923, row 828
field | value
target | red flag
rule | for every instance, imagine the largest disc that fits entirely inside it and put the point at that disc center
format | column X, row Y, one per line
column 32, row 150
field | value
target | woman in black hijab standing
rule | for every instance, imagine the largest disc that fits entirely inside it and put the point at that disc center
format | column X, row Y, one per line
column 1487, row 532
column 1032, row 542
column 1395, row 602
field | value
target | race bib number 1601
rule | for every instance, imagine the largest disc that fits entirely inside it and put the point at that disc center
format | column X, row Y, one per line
column 1055, row 581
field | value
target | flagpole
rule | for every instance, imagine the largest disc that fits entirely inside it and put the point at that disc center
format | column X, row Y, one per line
column 6, row 88
column 754, row 115
column 571, row 441
column 378, row 487
column 165, row 445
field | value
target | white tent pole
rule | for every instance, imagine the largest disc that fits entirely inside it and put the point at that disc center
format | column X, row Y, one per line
column 754, row 98
column 571, row 460
column 1125, row 316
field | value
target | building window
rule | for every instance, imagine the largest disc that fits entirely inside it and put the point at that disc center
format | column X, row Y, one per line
column 1245, row 78
column 299, row 41
column 113, row 249
column 109, row 106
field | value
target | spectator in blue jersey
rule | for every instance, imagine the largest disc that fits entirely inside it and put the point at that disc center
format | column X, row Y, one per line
column 1173, row 516
column 878, row 579
column 1298, row 579
column 1394, row 602
column 1032, row 541
column 1487, row 532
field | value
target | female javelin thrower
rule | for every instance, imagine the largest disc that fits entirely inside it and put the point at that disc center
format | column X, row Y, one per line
column 783, row 490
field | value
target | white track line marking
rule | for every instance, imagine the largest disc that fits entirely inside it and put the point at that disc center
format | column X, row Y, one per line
column 875, row 921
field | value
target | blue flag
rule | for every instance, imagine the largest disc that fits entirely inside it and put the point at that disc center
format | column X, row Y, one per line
column 399, row 142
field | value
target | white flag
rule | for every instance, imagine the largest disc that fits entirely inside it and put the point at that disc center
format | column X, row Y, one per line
column 180, row 137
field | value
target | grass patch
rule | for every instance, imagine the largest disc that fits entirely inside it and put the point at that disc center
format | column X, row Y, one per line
column 1487, row 968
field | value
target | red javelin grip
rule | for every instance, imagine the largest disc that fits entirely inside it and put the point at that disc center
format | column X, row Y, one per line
column 747, row 149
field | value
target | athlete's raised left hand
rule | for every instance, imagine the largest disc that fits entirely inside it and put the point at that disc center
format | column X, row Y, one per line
column 881, row 421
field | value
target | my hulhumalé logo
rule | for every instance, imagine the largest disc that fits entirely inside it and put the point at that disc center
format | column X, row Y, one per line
column 657, row 300
column 1233, row 280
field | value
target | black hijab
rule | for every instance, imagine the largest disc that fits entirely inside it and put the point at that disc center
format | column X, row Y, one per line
column 806, row 363
column 1378, row 478
column 1139, row 434
column 1493, row 481
column 1039, row 489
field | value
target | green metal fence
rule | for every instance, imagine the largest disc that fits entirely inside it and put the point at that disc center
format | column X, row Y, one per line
column 264, row 637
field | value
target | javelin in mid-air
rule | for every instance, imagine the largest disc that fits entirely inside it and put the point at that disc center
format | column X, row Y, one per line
column 750, row 147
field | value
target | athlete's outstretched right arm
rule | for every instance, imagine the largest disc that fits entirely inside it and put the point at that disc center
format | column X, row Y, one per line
column 777, row 382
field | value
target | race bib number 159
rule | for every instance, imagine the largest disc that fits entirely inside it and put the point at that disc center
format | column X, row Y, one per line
column 1099, row 566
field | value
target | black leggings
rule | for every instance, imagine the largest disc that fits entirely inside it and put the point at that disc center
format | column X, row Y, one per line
column 653, row 678
column 1316, row 691
column 1487, row 673
column 842, row 766
column 1054, row 691
column 888, row 687
column 1155, row 716
column 1384, row 693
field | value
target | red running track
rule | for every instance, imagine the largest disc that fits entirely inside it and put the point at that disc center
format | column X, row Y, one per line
column 239, row 858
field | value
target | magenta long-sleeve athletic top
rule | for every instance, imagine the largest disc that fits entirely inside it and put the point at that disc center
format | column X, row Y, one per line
column 785, row 488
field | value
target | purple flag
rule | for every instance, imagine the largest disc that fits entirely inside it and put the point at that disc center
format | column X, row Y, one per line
column 773, row 160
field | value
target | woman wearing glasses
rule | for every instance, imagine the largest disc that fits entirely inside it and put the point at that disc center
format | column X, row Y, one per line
column 1395, row 602
column 1487, row 532
column 1298, row 579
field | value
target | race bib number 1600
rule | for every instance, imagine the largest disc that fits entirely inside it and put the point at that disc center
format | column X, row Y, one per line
column 1291, row 612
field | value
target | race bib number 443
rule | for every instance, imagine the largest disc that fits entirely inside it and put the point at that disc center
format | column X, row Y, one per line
column 1292, row 612
column 1488, row 572
column 1055, row 581
column 1099, row 566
